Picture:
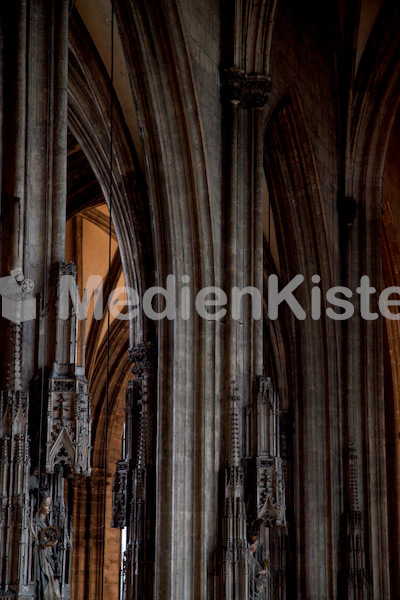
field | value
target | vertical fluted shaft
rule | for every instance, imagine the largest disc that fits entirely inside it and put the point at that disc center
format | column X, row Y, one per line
column 33, row 214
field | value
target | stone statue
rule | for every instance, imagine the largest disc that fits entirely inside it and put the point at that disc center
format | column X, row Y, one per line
column 258, row 573
column 47, row 538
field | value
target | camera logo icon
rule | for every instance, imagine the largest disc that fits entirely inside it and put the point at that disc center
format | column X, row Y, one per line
column 16, row 307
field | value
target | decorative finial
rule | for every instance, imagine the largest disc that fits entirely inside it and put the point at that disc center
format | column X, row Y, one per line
column 14, row 367
column 234, row 411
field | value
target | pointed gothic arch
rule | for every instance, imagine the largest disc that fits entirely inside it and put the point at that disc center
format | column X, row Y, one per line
column 305, row 245
column 89, row 121
column 184, row 240
column 372, row 113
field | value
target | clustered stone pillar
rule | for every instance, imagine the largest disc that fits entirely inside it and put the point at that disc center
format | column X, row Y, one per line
column 357, row 577
column 244, row 96
column 33, row 215
column 81, row 513
column 134, row 481
column 91, row 499
column 366, row 563
column 35, row 157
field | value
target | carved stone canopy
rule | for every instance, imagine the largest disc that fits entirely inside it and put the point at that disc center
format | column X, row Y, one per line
column 144, row 359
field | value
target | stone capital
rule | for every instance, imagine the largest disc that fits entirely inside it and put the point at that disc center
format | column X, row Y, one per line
column 144, row 359
column 248, row 91
column 256, row 90
column 232, row 85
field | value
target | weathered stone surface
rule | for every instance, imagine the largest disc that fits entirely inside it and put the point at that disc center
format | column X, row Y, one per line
column 242, row 109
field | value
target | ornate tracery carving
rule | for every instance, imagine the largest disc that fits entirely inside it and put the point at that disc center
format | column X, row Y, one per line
column 254, row 498
column 358, row 580
column 133, row 481
column 69, row 405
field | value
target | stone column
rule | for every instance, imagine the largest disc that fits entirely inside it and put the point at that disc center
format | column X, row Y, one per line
column 35, row 159
column 366, row 499
column 244, row 97
column 134, row 483
column 80, row 517
column 98, row 490
column 33, row 213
